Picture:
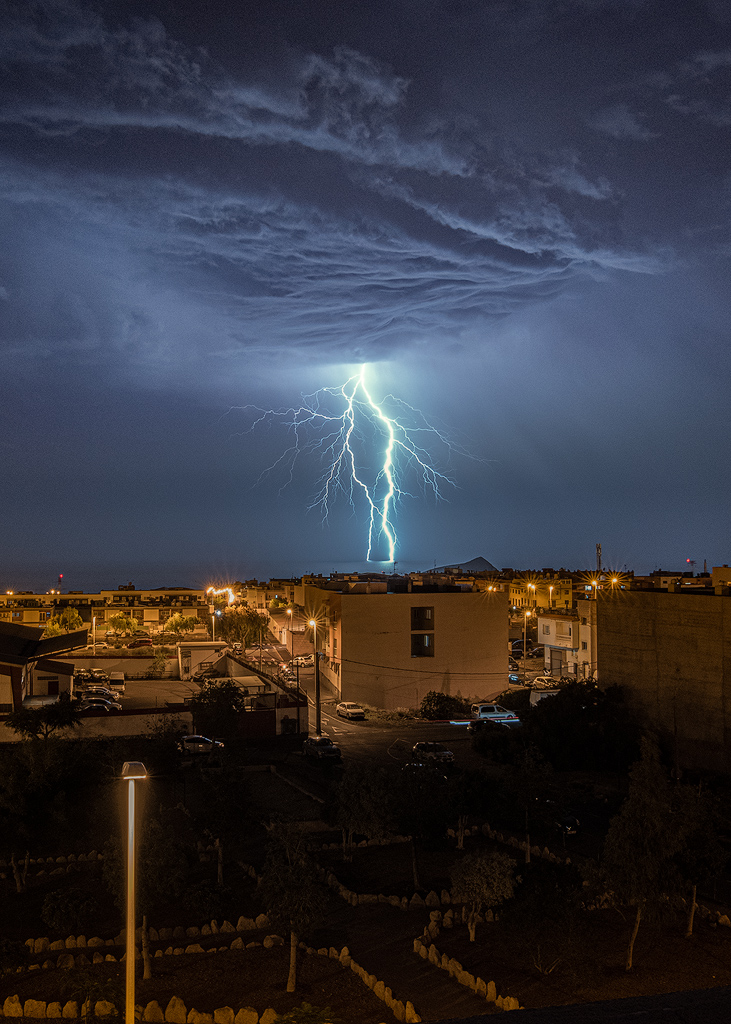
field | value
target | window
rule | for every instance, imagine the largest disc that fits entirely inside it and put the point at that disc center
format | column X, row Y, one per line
column 422, row 619
column 546, row 629
column 583, row 621
column 422, row 645
column 335, row 647
column 584, row 645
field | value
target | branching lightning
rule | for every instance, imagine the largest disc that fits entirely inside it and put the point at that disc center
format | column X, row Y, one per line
column 369, row 448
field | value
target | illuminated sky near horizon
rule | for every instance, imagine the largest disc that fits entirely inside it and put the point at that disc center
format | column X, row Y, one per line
column 516, row 213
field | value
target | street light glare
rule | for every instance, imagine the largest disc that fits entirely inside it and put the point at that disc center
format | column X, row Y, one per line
column 133, row 770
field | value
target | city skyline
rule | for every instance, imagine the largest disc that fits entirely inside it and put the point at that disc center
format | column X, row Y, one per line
column 516, row 216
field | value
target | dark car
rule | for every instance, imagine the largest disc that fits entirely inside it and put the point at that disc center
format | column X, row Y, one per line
column 322, row 748
column 517, row 647
column 97, row 691
column 486, row 724
column 428, row 750
column 196, row 744
column 537, row 652
column 89, row 704
column 140, row 641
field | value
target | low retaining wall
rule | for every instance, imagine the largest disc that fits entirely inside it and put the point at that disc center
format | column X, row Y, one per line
column 454, row 968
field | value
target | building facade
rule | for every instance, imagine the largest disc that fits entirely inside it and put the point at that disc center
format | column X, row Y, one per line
column 671, row 653
column 390, row 647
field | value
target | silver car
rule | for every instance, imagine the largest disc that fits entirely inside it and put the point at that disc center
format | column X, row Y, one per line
column 196, row 744
column 347, row 709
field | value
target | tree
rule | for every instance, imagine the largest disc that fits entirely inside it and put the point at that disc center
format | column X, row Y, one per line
column 529, row 782
column 289, row 889
column 363, row 805
column 701, row 857
column 180, row 624
column 66, row 622
column 637, row 865
column 68, row 910
column 37, row 723
column 584, row 728
column 165, row 845
column 421, row 802
column 482, row 880
column 437, row 705
column 216, row 707
column 122, row 623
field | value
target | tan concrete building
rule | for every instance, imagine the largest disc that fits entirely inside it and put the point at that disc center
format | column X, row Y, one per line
column 671, row 651
column 390, row 647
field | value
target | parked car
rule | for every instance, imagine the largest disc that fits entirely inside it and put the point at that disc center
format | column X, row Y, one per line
column 517, row 647
column 544, row 683
column 304, row 660
column 514, row 679
column 346, row 709
column 98, row 704
column 97, row 691
column 492, row 712
column 480, row 724
column 140, row 641
column 428, row 750
column 322, row 748
column 539, row 651
column 196, row 744
column 512, row 664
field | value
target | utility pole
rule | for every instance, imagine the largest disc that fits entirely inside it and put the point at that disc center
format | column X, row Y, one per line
column 598, row 559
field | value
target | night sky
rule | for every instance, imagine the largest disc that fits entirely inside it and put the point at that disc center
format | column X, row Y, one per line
column 515, row 213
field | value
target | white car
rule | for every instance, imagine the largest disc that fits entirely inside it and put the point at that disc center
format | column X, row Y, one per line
column 198, row 745
column 347, row 709
column 544, row 683
column 492, row 712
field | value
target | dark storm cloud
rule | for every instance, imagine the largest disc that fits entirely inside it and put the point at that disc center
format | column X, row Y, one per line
column 520, row 208
column 345, row 217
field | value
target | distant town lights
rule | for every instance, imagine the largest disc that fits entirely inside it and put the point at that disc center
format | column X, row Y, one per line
column 212, row 592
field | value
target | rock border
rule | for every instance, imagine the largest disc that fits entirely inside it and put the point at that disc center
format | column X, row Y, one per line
column 456, row 971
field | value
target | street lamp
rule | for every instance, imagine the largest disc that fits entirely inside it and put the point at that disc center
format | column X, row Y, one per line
column 550, row 597
column 297, row 668
column 318, row 722
column 532, row 586
column 525, row 640
column 131, row 770
column 93, row 633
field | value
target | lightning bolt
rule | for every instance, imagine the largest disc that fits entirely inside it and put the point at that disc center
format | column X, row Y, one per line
column 370, row 450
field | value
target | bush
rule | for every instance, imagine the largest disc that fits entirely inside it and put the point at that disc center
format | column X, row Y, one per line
column 443, row 705
column 68, row 910
column 206, row 900
column 13, row 955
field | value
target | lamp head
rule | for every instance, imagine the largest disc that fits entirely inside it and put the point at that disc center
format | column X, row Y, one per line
column 133, row 770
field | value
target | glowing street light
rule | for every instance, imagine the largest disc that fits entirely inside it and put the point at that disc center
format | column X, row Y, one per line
column 131, row 771
column 296, row 667
column 550, row 597
column 525, row 640
column 317, row 721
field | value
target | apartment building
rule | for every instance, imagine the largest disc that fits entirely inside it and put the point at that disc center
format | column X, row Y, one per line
column 388, row 641
column 150, row 608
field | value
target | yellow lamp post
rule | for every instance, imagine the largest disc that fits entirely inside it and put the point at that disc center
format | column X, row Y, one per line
column 131, row 771
column 526, row 616
column 318, row 721
column 292, row 665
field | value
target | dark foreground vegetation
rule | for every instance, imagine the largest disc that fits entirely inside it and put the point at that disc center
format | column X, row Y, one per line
column 619, row 923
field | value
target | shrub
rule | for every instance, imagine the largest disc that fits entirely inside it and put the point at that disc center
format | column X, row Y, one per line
column 443, row 705
column 68, row 910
